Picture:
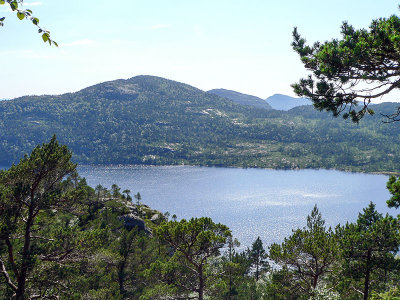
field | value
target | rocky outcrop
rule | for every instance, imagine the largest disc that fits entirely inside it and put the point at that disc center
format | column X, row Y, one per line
column 131, row 221
column 137, row 216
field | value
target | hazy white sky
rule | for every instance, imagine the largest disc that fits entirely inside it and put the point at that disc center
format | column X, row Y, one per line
column 243, row 45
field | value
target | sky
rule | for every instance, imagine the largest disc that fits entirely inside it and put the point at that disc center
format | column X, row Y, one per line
column 242, row 45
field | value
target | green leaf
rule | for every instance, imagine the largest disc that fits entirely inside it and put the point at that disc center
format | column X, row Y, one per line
column 2, row 2
column 20, row 16
column 45, row 37
column 35, row 21
column 55, row 43
column 14, row 5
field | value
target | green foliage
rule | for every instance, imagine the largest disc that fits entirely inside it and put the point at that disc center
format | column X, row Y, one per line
column 368, row 247
column 250, row 289
column 283, row 284
column 150, row 120
column 392, row 294
column 27, row 14
column 393, row 186
column 193, row 243
column 30, row 192
column 359, row 67
column 60, row 238
column 241, row 99
column 258, row 258
column 307, row 254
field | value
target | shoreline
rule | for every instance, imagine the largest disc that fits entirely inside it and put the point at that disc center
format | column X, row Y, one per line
column 387, row 173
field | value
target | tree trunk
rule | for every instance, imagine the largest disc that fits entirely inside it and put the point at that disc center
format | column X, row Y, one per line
column 230, row 284
column 121, row 277
column 257, row 271
column 367, row 273
column 201, row 283
column 315, row 281
column 20, row 293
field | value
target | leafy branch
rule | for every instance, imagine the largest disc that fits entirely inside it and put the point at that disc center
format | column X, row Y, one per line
column 27, row 14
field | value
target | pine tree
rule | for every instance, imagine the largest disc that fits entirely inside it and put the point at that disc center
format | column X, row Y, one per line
column 361, row 66
column 369, row 245
column 194, row 243
column 308, row 253
column 258, row 258
column 30, row 190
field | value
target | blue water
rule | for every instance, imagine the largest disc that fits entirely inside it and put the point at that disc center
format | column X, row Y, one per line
column 252, row 202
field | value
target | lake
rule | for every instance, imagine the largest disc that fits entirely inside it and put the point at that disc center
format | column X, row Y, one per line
column 252, row 202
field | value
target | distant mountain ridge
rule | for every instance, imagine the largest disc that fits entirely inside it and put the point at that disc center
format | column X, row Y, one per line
column 242, row 99
column 276, row 101
column 284, row 102
column 155, row 121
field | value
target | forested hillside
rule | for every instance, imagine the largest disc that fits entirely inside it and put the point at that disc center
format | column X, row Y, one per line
column 151, row 120
column 240, row 98
column 62, row 239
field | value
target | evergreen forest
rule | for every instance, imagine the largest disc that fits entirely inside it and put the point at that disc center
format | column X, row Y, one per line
column 62, row 239
column 154, row 121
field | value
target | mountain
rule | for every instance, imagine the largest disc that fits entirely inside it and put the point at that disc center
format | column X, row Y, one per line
column 152, row 120
column 143, row 119
column 241, row 99
column 284, row 102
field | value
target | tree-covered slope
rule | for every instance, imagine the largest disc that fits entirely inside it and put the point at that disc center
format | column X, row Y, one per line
column 151, row 120
column 242, row 99
column 140, row 120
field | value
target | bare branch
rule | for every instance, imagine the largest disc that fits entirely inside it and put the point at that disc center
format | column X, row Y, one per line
column 395, row 117
column 7, row 276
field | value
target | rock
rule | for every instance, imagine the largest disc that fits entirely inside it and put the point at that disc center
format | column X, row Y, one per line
column 132, row 208
column 131, row 221
column 155, row 218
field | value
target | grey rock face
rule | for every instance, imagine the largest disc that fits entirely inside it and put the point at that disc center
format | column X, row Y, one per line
column 131, row 221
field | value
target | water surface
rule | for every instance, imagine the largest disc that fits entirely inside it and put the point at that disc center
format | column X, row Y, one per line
column 252, row 202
